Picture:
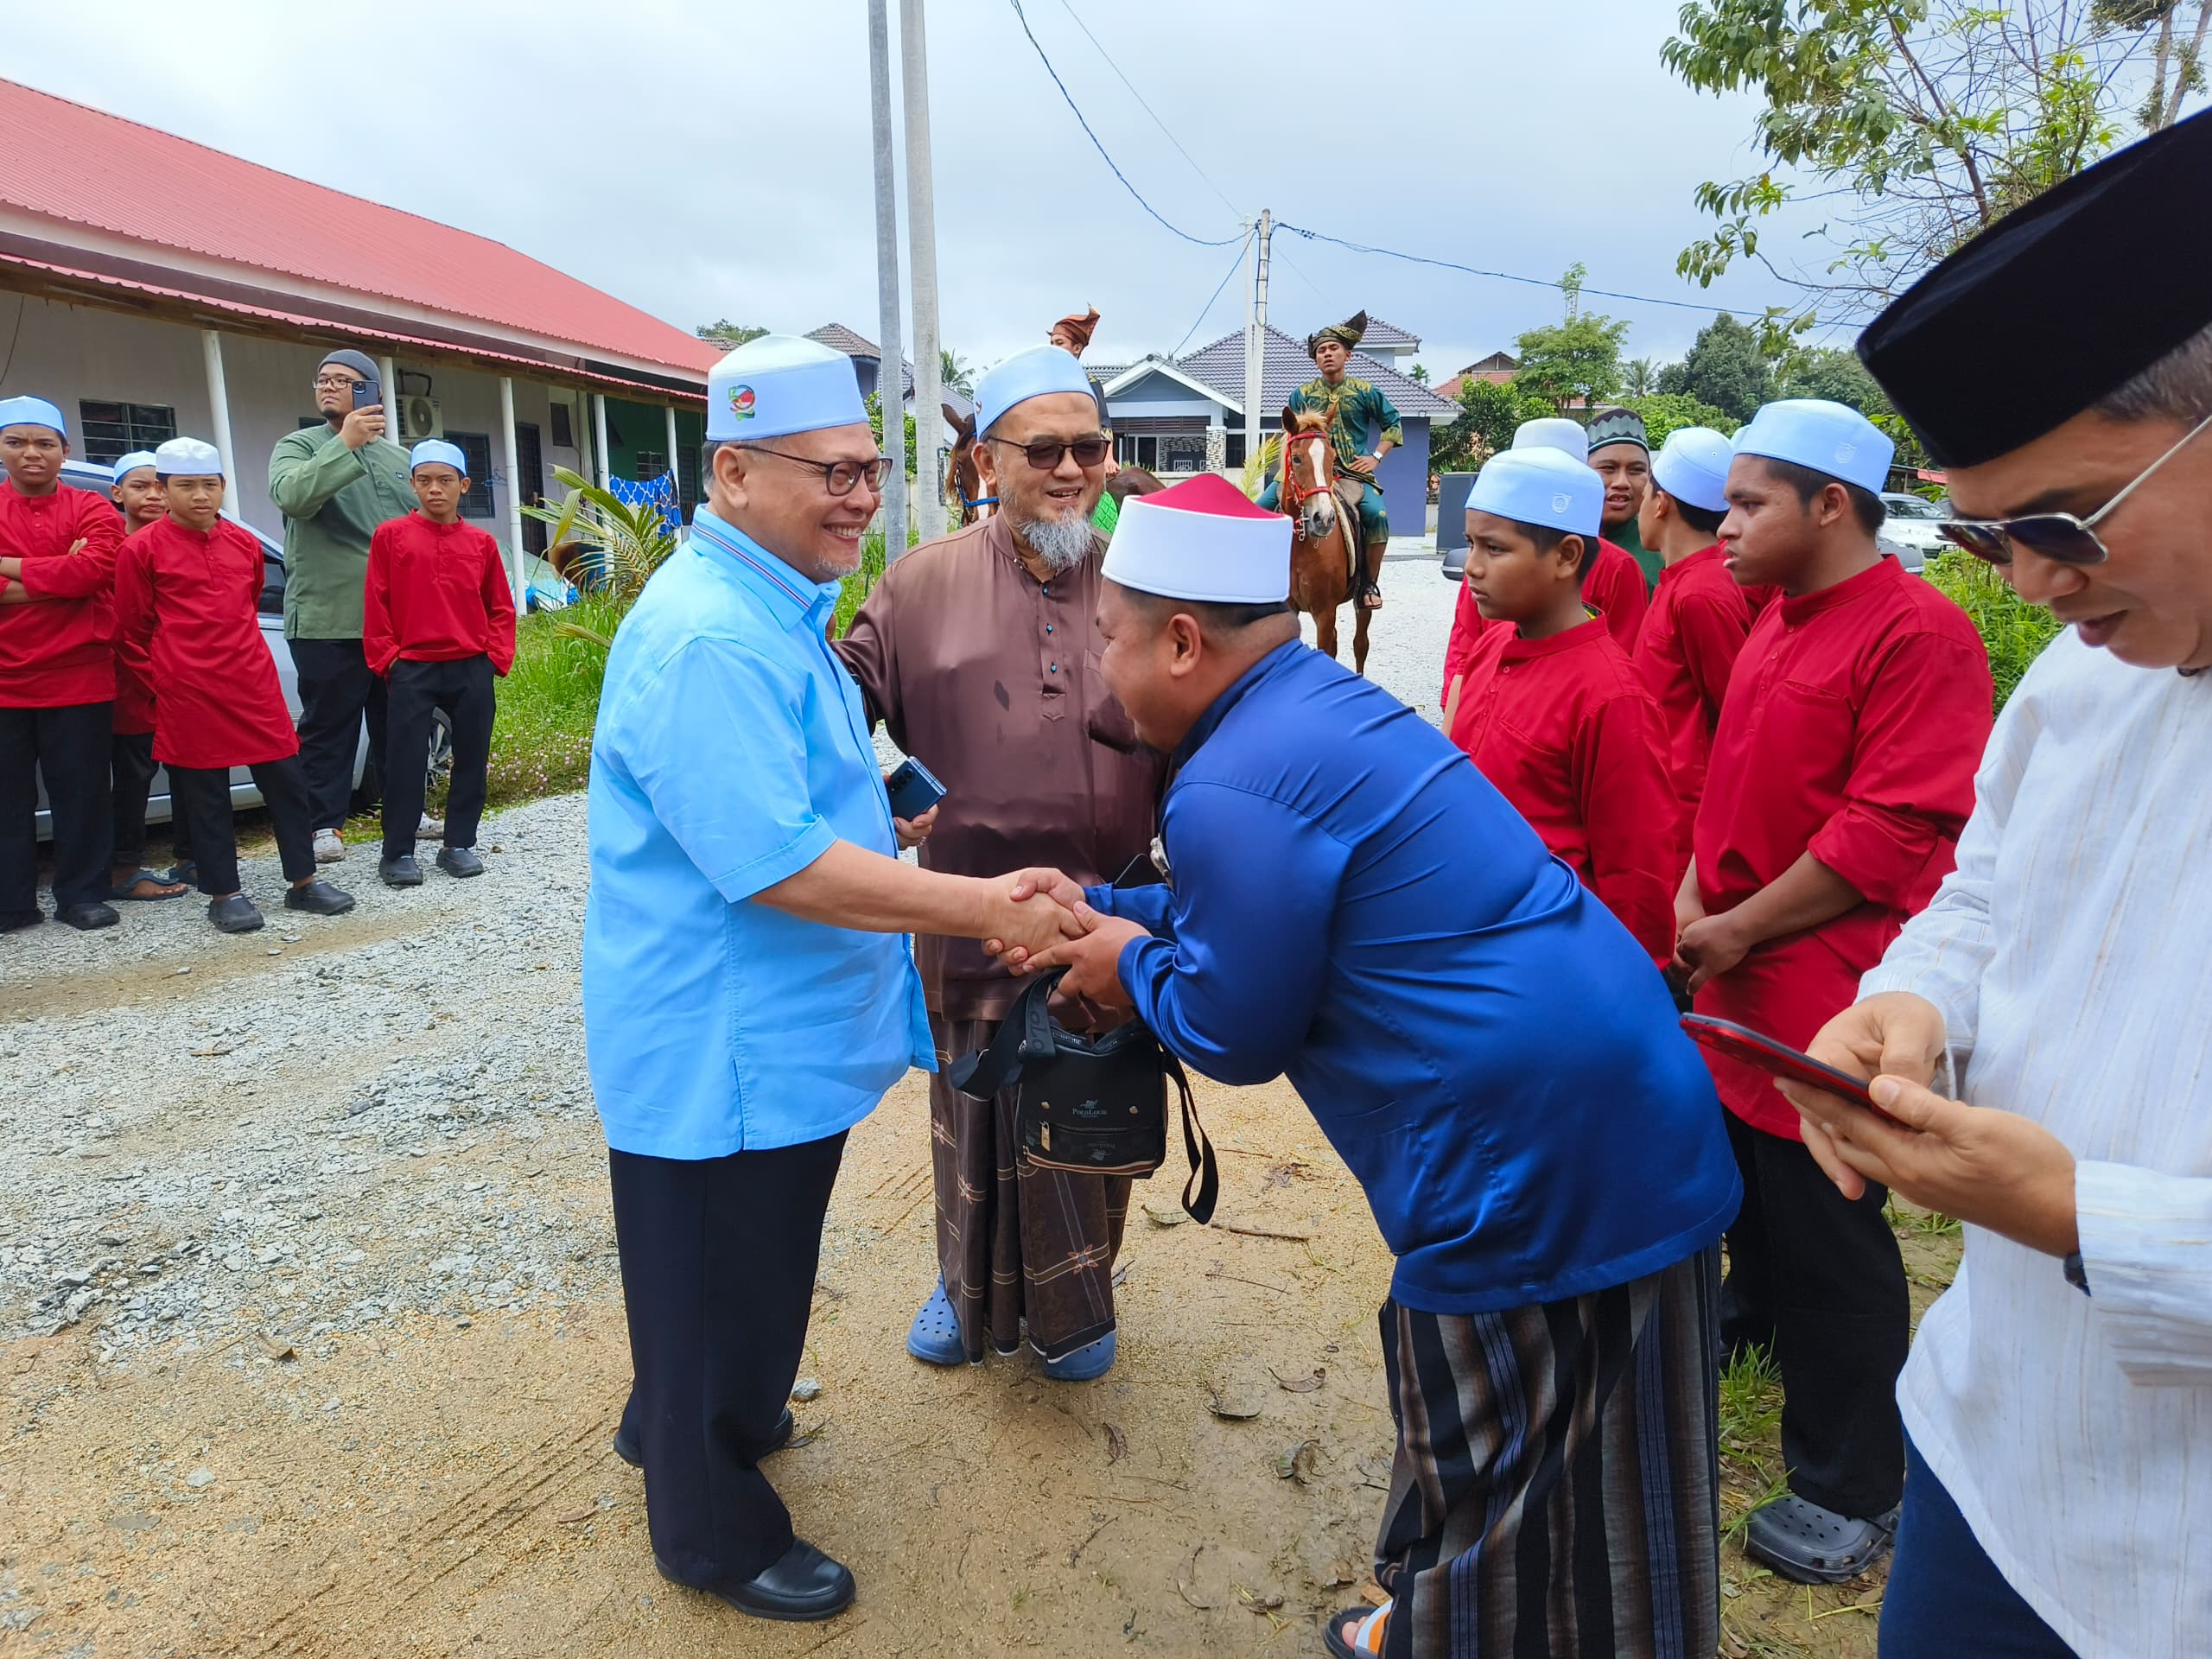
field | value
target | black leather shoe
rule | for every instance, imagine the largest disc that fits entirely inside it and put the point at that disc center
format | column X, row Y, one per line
column 632, row 1453
column 460, row 860
column 318, row 899
column 86, row 918
column 235, row 914
column 802, row 1584
column 12, row 921
column 401, row 872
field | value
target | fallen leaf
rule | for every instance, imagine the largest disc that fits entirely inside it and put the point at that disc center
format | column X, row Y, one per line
column 1283, row 1173
column 1258, row 1604
column 1117, row 1443
column 1300, row 1384
column 1301, row 1461
column 1165, row 1216
column 571, row 1520
column 1373, row 1593
column 1235, row 1399
column 276, row 1348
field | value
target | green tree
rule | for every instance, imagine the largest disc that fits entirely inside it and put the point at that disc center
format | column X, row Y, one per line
column 1418, row 374
column 1639, row 377
column 1489, row 413
column 727, row 335
column 1581, row 358
column 1932, row 117
column 1666, row 413
column 876, row 425
column 955, row 371
column 1726, row 368
column 1835, row 373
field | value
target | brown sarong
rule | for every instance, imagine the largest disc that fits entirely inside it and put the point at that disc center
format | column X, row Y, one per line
column 1016, row 1241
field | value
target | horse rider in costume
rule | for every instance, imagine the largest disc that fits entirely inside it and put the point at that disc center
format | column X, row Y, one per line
column 1355, row 408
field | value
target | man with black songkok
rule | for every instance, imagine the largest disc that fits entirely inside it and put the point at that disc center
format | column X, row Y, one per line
column 2058, row 1399
column 1621, row 455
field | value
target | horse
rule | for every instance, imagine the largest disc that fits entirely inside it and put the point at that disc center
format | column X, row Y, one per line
column 1324, row 531
column 963, row 481
column 1133, row 480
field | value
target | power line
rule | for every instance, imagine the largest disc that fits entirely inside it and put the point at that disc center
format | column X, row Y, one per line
column 1216, row 295
column 1204, row 242
column 1067, row 7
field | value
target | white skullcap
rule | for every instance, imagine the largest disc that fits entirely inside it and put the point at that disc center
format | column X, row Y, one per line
column 188, row 458
column 133, row 461
column 1828, row 438
column 1540, row 487
column 1202, row 541
column 1032, row 372
column 438, row 451
column 1554, row 432
column 1691, row 466
column 780, row 384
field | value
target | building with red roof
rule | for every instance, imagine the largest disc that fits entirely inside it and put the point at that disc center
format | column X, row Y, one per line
column 143, row 321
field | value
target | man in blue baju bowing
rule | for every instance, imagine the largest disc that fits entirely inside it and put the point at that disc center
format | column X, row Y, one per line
column 746, row 997
column 1352, row 905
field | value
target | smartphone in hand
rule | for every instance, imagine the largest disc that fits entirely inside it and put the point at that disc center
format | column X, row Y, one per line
column 912, row 791
column 1779, row 1060
column 366, row 392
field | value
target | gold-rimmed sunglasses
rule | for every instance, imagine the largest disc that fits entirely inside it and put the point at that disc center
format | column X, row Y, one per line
column 2062, row 537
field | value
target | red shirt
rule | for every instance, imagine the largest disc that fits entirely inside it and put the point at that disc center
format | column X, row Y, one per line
column 1566, row 731
column 1614, row 588
column 436, row 594
column 1696, row 626
column 187, row 621
column 1851, row 730
column 58, row 651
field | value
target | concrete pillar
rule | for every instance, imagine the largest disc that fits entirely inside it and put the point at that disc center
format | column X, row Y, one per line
column 516, row 576
column 599, row 439
column 218, row 402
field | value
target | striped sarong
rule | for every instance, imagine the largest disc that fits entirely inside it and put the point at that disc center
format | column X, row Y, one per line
column 1017, row 1245
column 1556, row 1489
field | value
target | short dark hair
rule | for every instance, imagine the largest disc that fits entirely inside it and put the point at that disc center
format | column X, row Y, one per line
column 1703, row 520
column 1807, row 482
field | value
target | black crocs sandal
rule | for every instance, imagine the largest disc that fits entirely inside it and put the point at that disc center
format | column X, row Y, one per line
column 1808, row 1544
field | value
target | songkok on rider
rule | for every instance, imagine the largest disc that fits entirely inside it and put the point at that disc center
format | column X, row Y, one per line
column 1202, row 541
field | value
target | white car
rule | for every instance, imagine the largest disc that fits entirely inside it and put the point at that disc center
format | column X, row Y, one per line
column 1913, row 522
column 91, row 476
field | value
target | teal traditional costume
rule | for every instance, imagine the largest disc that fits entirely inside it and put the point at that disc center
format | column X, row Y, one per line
column 1356, row 408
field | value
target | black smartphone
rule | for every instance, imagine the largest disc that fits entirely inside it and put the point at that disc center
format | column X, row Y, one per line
column 1777, row 1059
column 912, row 790
column 365, row 393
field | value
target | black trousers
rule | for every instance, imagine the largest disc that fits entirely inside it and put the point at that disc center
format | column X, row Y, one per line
column 718, row 1262
column 337, row 692
column 68, row 748
column 414, row 693
column 1816, row 1278
column 206, row 791
column 132, row 767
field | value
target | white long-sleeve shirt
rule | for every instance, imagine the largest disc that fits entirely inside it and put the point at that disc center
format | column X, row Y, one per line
column 2071, row 956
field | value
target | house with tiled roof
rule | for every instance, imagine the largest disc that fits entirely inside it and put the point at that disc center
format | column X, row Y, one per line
column 156, row 287
column 868, row 364
column 1186, row 414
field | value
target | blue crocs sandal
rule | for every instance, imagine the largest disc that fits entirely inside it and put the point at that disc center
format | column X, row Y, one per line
column 1090, row 1361
column 934, row 1338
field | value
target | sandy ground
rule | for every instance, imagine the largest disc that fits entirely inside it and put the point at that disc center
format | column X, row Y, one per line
column 433, row 1476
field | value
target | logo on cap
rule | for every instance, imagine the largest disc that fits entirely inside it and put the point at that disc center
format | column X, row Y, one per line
column 1561, row 502
column 1844, row 452
column 741, row 402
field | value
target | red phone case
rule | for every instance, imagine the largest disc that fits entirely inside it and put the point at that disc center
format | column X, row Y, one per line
column 1776, row 1058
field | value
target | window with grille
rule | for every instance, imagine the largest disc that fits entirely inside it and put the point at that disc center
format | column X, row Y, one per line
column 650, row 465
column 113, row 430
column 688, row 466
column 477, row 445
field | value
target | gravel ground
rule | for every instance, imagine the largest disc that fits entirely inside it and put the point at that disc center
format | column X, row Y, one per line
column 332, row 1124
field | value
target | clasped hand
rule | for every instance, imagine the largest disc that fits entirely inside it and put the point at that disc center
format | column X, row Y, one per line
column 1067, row 933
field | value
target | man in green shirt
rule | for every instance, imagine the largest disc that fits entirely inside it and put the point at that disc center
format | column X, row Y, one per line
column 334, row 483
column 1355, row 408
column 1621, row 455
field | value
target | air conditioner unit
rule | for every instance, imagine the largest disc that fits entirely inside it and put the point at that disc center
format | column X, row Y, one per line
column 419, row 419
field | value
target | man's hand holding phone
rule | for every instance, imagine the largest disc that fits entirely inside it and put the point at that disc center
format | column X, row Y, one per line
column 364, row 425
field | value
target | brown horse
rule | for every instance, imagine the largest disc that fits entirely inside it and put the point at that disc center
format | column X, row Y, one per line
column 964, row 481
column 1324, row 532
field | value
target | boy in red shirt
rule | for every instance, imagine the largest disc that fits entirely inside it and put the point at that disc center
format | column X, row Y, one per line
column 188, row 595
column 57, row 672
column 1700, row 614
column 1550, row 708
column 438, row 622
column 1842, row 772
column 136, row 491
column 1614, row 586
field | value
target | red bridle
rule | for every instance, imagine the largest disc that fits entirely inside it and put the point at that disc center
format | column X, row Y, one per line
column 1323, row 469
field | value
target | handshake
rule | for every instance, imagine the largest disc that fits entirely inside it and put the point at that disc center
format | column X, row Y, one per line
column 1037, row 919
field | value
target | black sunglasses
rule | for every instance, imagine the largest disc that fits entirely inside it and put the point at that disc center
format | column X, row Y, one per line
column 840, row 475
column 1044, row 456
column 2059, row 537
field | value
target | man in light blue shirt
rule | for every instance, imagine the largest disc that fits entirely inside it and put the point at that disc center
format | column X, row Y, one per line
column 747, row 993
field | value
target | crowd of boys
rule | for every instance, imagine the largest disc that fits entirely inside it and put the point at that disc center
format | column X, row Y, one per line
column 131, row 642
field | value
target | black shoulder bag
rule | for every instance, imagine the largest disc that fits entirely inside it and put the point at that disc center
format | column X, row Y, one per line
column 1090, row 1105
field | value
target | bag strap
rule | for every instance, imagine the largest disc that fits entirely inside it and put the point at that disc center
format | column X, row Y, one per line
column 1203, row 1187
column 1026, row 1029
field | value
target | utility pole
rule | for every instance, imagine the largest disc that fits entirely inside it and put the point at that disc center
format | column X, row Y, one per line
column 1255, row 329
column 889, row 383
column 921, row 267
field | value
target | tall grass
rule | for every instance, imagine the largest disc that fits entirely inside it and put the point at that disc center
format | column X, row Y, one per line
column 2014, row 631
column 541, row 741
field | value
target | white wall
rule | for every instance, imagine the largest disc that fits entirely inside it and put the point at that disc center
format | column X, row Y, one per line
column 67, row 353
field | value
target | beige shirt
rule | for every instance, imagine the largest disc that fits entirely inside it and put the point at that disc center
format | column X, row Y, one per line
column 990, row 679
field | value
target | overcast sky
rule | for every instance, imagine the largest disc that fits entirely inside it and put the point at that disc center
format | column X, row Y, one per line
column 710, row 158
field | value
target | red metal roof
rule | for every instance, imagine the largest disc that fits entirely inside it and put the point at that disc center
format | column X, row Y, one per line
column 121, row 177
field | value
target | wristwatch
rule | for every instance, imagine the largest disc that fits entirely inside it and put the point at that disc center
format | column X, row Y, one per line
column 2076, row 1275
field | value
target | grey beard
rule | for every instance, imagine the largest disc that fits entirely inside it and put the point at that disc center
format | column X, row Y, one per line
column 1062, row 544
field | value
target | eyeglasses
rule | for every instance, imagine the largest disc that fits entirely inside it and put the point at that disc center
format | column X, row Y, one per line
column 1044, row 456
column 839, row 475
column 336, row 382
column 2059, row 537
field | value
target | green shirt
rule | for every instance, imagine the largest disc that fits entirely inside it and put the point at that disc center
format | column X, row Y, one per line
column 1358, row 406
column 333, row 500
column 1627, row 536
